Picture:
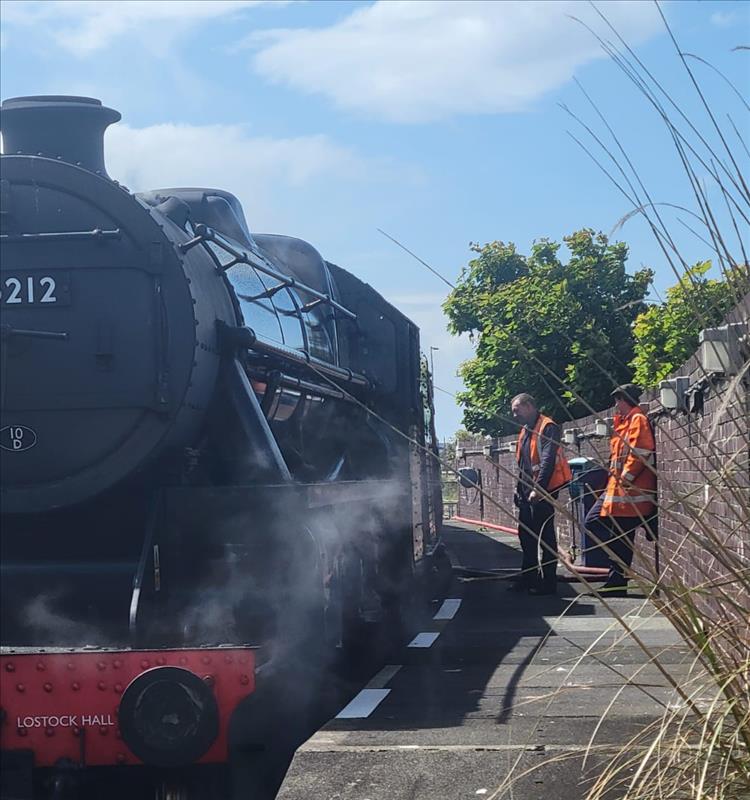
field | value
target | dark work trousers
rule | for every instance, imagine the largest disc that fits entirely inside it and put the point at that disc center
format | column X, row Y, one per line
column 617, row 534
column 536, row 523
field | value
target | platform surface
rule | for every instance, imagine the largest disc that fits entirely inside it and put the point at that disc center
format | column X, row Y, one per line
column 501, row 695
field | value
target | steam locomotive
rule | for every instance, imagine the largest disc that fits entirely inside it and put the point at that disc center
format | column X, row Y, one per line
column 217, row 459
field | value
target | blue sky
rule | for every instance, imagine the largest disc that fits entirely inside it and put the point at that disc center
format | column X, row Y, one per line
column 438, row 122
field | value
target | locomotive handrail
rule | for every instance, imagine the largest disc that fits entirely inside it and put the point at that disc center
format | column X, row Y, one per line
column 305, row 309
column 310, row 306
column 148, row 550
column 55, row 236
column 270, row 292
column 303, row 358
column 299, row 384
column 205, row 234
column 7, row 331
column 246, row 338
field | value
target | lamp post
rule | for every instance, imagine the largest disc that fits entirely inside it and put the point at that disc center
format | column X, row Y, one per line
column 432, row 362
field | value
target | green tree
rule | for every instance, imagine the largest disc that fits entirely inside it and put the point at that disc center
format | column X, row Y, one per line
column 530, row 314
column 667, row 335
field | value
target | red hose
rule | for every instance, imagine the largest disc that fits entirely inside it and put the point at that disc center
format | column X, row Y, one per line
column 503, row 528
column 593, row 571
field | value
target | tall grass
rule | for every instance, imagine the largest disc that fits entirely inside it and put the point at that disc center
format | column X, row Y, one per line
column 700, row 748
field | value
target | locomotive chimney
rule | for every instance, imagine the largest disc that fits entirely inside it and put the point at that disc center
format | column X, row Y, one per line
column 57, row 126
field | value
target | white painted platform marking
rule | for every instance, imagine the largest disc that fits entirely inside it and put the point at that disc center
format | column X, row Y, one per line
column 381, row 680
column 424, row 639
column 590, row 624
column 363, row 704
column 448, row 609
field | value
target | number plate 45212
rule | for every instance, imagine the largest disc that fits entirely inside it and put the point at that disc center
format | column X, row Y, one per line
column 35, row 289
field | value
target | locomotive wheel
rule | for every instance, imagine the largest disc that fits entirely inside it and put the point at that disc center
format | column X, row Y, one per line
column 356, row 633
column 176, row 791
column 403, row 600
column 441, row 573
column 171, row 791
column 201, row 783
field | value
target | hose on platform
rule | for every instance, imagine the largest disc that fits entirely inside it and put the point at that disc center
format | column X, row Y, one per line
column 468, row 573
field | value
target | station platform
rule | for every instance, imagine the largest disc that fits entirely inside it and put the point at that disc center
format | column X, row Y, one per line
column 500, row 695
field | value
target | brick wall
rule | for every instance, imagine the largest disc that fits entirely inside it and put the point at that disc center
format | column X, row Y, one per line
column 704, row 477
column 704, row 468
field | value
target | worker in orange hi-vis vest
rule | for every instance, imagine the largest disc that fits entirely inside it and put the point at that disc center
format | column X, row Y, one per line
column 629, row 500
column 542, row 472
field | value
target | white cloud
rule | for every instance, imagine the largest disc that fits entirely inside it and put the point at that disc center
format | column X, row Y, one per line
column 723, row 19
column 283, row 183
column 426, row 60
column 224, row 156
column 84, row 27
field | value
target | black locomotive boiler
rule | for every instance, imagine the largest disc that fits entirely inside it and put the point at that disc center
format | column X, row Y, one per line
column 217, row 457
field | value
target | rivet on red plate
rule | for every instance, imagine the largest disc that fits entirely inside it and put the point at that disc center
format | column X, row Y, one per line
column 10, row 667
column 47, row 687
column 102, row 686
column 244, row 680
column 75, row 686
column 40, row 666
column 20, row 687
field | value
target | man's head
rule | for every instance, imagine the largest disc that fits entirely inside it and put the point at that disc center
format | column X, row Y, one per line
column 626, row 397
column 523, row 407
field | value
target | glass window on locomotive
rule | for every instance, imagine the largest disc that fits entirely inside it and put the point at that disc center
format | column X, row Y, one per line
column 304, row 329
column 318, row 321
column 259, row 315
column 287, row 309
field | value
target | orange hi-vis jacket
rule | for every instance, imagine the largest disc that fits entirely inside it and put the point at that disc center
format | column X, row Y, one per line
column 631, row 489
column 561, row 473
